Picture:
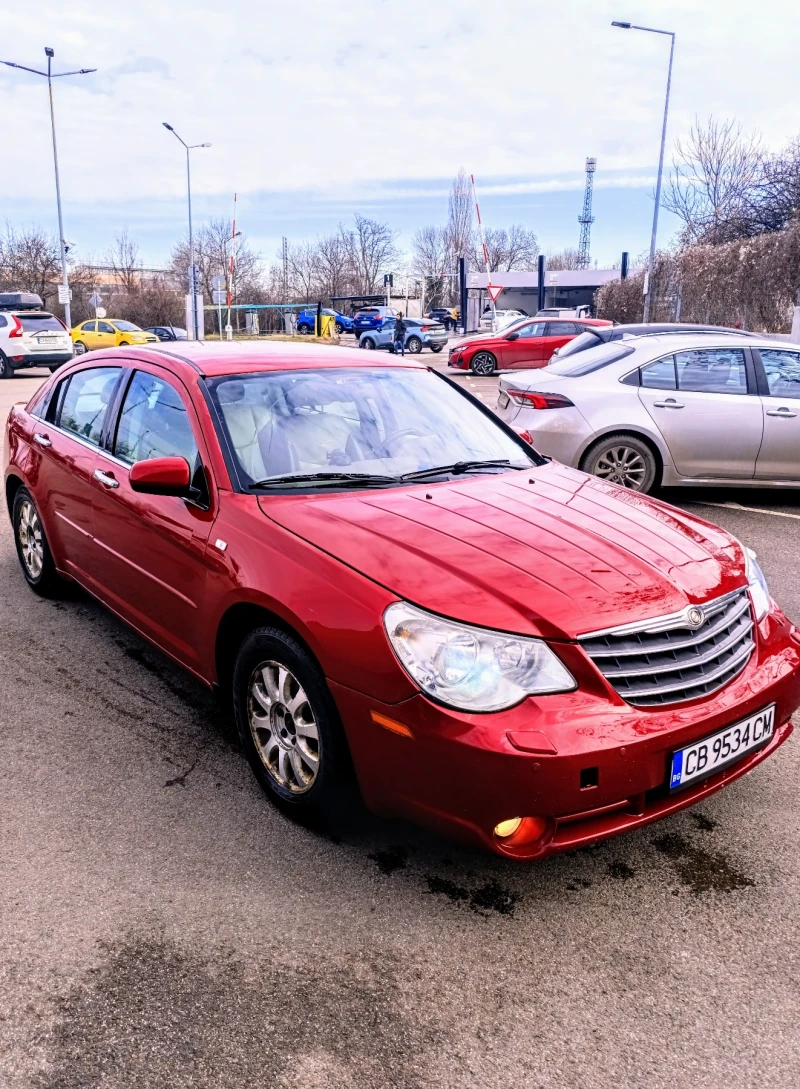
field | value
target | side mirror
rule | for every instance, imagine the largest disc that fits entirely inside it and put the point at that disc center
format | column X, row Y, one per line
column 161, row 476
column 513, row 336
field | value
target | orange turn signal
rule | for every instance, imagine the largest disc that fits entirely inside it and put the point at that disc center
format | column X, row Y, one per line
column 390, row 724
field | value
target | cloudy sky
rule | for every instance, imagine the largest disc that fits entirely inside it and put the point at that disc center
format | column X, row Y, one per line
column 316, row 110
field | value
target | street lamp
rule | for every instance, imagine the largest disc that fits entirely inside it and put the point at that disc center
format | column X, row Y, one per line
column 63, row 244
column 652, row 30
column 192, row 283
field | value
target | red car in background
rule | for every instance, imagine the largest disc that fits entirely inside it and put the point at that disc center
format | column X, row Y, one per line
column 388, row 585
column 525, row 344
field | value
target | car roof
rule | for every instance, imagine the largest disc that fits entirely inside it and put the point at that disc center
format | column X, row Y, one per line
column 665, row 342
column 213, row 359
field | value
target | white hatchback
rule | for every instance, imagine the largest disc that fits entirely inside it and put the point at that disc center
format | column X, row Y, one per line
column 701, row 409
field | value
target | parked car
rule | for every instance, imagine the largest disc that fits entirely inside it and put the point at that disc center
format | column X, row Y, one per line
column 528, row 343
column 667, row 410
column 372, row 317
column 381, row 576
column 582, row 311
column 168, row 332
column 504, row 318
column 99, row 333
column 602, row 334
column 29, row 335
column 444, row 315
column 307, row 320
column 420, row 333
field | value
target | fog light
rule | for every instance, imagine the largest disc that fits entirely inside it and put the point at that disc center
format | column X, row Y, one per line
column 507, row 828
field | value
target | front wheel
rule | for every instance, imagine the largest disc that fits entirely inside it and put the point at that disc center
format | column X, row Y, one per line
column 339, row 328
column 33, row 550
column 483, row 363
column 414, row 345
column 289, row 727
column 304, row 330
column 623, row 460
column 123, row 344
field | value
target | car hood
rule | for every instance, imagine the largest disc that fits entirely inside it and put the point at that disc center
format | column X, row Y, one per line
column 548, row 551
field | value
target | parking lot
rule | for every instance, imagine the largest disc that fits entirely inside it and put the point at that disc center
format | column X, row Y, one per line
column 163, row 925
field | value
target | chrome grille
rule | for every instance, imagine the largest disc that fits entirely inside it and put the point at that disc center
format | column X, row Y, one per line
column 671, row 659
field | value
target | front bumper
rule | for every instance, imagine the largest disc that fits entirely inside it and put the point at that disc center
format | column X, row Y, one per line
column 461, row 774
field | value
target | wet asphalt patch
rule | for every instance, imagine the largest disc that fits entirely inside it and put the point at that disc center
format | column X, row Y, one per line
column 699, row 870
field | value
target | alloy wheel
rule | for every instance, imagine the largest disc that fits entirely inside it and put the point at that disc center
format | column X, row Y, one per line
column 283, row 727
column 622, row 465
column 29, row 533
column 483, row 363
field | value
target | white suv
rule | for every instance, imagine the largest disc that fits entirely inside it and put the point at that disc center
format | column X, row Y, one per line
column 30, row 336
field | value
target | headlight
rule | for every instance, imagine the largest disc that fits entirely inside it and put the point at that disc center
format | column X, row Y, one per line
column 759, row 591
column 469, row 668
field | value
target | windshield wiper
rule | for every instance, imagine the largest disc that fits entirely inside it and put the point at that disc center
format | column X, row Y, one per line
column 314, row 479
column 460, row 467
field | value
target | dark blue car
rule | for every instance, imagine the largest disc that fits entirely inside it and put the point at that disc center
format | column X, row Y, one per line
column 372, row 317
column 306, row 320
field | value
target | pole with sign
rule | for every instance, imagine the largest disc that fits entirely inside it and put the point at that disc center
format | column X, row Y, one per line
column 489, row 286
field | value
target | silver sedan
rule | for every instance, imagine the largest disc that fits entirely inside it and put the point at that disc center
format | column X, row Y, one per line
column 666, row 410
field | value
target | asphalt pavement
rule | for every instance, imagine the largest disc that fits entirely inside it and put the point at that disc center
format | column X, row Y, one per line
column 163, row 926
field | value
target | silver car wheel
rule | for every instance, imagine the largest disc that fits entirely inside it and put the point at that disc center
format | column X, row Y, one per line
column 622, row 465
column 29, row 533
column 283, row 727
column 483, row 363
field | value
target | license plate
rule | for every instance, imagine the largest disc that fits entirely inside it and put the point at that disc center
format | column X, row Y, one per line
column 714, row 752
column 502, row 400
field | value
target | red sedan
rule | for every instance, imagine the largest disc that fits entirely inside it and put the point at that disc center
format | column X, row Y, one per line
column 524, row 344
column 395, row 591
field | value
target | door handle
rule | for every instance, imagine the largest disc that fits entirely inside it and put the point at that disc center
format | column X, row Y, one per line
column 106, row 478
column 786, row 413
column 669, row 403
column 42, row 440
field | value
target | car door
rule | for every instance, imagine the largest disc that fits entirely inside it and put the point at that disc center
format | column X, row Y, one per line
column 65, row 444
column 150, row 549
column 106, row 335
column 87, row 333
column 779, row 381
column 704, row 403
column 522, row 346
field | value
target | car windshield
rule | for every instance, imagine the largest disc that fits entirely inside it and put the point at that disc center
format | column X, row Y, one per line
column 127, row 327
column 593, row 359
column 356, row 422
column 580, row 344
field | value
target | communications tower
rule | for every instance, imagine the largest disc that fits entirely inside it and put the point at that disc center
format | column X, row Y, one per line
column 586, row 219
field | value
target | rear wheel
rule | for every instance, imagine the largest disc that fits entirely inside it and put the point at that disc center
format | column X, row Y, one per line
column 33, row 550
column 483, row 363
column 414, row 345
column 6, row 370
column 436, row 347
column 368, row 343
column 289, row 727
column 623, row 460
column 304, row 330
column 80, row 348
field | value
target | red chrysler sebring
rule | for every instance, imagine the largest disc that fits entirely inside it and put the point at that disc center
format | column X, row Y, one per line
column 523, row 344
column 396, row 590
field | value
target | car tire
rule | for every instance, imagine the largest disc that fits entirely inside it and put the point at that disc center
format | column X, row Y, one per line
column 304, row 330
column 33, row 551
column 339, row 328
column 6, row 370
column 414, row 345
column 80, row 348
column 483, row 364
column 622, row 459
column 368, row 343
column 289, row 727
column 123, row 343
column 436, row 347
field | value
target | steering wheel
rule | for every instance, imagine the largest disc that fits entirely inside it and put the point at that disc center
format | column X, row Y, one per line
column 402, row 433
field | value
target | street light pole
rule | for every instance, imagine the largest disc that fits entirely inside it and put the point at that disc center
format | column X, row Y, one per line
column 192, row 283
column 651, row 259
column 50, row 75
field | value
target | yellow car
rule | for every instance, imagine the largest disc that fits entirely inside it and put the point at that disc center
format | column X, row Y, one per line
column 108, row 333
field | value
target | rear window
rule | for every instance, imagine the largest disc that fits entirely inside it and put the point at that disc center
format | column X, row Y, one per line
column 36, row 323
column 591, row 360
column 580, row 344
column 367, row 311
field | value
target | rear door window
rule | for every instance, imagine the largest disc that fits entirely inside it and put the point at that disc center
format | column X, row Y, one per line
column 85, row 402
column 659, row 375
column 783, row 371
column 712, row 370
column 560, row 329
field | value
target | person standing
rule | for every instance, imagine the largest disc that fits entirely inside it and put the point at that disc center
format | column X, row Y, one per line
column 399, row 338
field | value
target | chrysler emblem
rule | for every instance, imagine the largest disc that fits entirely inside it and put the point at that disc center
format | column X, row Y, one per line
column 695, row 617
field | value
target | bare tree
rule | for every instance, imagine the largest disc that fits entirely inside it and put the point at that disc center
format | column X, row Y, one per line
column 124, row 260
column 372, row 250
column 777, row 199
column 30, row 261
column 715, row 177
column 431, row 262
column 212, row 250
column 303, row 271
column 564, row 259
column 460, row 215
column 508, row 250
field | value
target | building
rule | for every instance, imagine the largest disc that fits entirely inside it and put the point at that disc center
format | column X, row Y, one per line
column 565, row 288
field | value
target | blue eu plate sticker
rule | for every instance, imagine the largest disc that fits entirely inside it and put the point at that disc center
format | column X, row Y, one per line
column 677, row 768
